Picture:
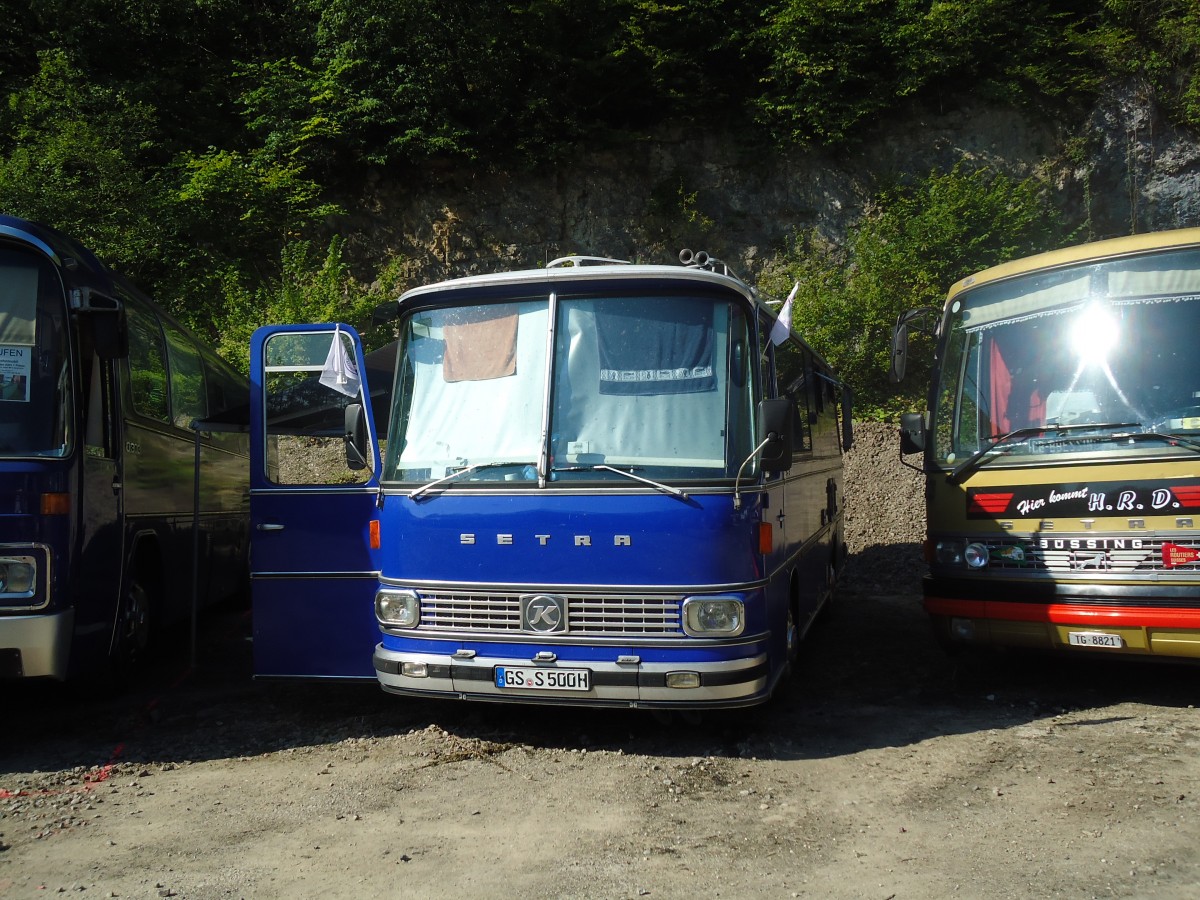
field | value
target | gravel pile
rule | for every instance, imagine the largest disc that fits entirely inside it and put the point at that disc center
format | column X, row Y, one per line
column 885, row 513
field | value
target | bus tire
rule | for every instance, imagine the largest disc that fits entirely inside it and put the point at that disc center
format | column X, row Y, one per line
column 131, row 642
column 792, row 637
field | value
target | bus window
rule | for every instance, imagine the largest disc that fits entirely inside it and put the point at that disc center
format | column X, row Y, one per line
column 147, row 363
column 188, row 395
column 306, row 410
column 35, row 379
column 795, row 377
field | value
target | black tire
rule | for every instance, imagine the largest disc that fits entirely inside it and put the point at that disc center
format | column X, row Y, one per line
column 131, row 642
column 792, row 638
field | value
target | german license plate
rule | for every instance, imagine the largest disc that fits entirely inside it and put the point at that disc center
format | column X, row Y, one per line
column 530, row 678
column 1094, row 639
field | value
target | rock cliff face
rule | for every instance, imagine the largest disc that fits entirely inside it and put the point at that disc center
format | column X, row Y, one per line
column 1126, row 171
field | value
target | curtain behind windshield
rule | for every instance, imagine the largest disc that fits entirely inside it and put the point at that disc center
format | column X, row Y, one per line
column 472, row 389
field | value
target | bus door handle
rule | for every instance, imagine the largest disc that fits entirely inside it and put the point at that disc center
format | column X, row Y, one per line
column 269, row 526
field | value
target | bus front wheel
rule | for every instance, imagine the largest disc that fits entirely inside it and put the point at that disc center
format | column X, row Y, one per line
column 133, row 627
column 792, row 636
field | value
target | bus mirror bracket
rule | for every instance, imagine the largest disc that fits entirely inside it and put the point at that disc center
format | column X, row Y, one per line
column 356, row 437
column 775, row 433
column 107, row 320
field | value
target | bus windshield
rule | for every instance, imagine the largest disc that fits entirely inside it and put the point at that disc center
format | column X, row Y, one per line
column 573, row 388
column 35, row 377
column 1092, row 359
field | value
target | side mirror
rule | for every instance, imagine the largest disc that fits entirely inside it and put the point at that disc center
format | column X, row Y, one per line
column 912, row 433
column 847, row 418
column 107, row 319
column 775, row 428
column 356, row 437
column 899, row 363
column 899, row 353
column 110, row 337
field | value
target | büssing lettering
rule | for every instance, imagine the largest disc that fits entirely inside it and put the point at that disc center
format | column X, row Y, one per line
column 1091, row 543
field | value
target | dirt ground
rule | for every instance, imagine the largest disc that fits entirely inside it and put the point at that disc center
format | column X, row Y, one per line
column 886, row 770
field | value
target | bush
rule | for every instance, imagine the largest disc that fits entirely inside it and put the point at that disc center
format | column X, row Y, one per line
column 911, row 244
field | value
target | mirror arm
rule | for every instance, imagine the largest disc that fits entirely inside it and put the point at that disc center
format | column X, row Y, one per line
column 737, row 496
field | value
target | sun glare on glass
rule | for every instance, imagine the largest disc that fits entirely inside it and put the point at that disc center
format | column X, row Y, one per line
column 1094, row 335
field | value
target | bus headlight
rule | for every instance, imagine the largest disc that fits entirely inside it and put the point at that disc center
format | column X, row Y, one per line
column 400, row 609
column 709, row 616
column 976, row 555
column 18, row 575
column 948, row 553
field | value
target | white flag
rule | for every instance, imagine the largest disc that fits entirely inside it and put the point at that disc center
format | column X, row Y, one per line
column 340, row 372
column 783, row 325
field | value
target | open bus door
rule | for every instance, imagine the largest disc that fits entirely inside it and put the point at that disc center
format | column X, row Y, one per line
column 313, row 504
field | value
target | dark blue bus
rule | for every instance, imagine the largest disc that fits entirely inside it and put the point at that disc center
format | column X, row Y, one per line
column 100, row 467
column 601, row 483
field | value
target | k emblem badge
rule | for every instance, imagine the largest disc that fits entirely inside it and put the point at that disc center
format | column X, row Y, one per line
column 544, row 614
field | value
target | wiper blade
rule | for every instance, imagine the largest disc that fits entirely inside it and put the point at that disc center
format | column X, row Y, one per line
column 1005, row 441
column 601, row 467
column 459, row 473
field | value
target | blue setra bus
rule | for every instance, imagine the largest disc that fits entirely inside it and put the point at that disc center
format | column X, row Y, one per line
column 100, row 466
column 601, row 483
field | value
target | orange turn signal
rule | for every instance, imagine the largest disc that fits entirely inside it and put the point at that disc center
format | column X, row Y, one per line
column 56, row 504
column 373, row 534
column 765, row 537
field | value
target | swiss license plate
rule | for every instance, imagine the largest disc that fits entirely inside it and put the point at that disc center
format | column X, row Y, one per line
column 1094, row 639
column 532, row 678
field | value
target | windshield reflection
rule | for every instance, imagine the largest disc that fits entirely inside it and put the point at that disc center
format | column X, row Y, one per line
column 1110, row 345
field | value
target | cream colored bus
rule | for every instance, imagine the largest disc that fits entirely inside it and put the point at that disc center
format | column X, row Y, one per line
column 1061, row 449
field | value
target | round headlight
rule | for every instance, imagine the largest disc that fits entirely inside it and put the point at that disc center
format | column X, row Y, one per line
column 949, row 553
column 976, row 555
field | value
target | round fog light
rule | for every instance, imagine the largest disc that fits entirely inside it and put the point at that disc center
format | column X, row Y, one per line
column 976, row 555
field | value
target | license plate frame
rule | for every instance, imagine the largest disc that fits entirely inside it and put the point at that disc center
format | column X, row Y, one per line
column 539, row 678
column 1095, row 639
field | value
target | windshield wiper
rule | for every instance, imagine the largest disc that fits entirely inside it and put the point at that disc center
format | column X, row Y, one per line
column 459, row 473
column 1167, row 438
column 601, row 467
column 1004, row 443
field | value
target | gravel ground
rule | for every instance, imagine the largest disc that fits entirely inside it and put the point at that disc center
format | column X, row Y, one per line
column 885, row 770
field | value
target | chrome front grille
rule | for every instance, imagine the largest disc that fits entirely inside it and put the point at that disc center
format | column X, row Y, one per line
column 596, row 615
column 1084, row 554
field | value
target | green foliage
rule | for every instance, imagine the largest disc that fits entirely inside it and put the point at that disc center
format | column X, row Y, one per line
column 913, row 243
column 835, row 65
column 196, row 144
column 311, row 287
column 76, row 153
column 1160, row 42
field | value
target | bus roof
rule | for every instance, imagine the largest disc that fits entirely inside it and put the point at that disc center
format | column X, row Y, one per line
column 1096, row 250
column 65, row 252
column 582, row 273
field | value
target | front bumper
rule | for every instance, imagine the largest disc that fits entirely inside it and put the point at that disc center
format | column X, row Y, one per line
column 36, row 646
column 1149, row 630
column 744, row 681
